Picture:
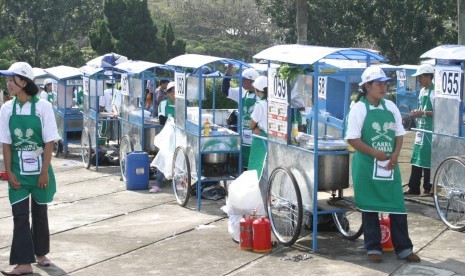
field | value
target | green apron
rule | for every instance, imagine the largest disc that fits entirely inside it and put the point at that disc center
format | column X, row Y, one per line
column 50, row 97
column 169, row 108
column 27, row 154
column 257, row 154
column 248, row 105
column 421, row 154
column 377, row 189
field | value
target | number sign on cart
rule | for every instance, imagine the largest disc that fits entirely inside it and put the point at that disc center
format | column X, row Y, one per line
column 125, row 84
column 322, row 81
column 448, row 82
column 180, row 80
column 277, row 105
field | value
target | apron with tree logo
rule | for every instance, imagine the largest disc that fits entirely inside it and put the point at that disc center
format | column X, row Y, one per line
column 421, row 154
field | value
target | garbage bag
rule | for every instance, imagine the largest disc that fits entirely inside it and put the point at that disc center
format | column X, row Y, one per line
column 165, row 141
column 244, row 195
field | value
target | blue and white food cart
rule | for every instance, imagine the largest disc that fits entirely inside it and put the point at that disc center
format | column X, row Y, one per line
column 310, row 172
column 138, row 128
column 68, row 113
column 95, row 144
column 199, row 158
column 39, row 75
column 448, row 136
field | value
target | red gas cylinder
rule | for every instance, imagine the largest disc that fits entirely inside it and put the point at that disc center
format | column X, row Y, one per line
column 386, row 241
column 261, row 235
column 246, row 235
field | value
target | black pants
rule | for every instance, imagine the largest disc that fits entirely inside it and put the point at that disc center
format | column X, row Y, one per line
column 415, row 179
column 29, row 241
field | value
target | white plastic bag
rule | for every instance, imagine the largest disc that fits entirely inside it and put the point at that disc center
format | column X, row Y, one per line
column 165, row 142
column 244, row 195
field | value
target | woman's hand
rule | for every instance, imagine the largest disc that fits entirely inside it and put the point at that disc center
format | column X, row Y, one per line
column 43, row 180
column 257, row 131
column 380, row 155
column 13, row 181
column 393, row 160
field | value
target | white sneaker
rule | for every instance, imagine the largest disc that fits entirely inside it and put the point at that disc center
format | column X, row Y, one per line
column 154, row 189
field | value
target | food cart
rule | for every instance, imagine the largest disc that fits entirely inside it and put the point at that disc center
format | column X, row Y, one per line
column 94, row 143
column 407, row 91
column 138, row 128
column 302, row 168
column 68, row 114
column 199, row 158
column 448, row 136
column 39, row 75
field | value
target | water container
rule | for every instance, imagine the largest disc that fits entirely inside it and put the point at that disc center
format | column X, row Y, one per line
column 137, row 171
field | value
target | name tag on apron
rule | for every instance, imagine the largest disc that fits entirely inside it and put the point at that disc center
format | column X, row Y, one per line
column 247, row 136
column 380, row 171
column 30, row 162
column 419, row 138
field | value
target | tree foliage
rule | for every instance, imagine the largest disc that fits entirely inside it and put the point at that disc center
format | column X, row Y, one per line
column 130, row 30
column 400, row 29
column 44, row 30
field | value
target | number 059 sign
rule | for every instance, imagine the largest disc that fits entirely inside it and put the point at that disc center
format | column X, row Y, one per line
column 448, row 82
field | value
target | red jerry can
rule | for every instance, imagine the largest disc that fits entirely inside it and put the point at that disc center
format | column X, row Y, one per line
column 246, row 234
column 386, row 241
column 261, row 235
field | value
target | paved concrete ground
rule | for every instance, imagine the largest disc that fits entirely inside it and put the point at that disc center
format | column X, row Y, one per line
column 100, row 228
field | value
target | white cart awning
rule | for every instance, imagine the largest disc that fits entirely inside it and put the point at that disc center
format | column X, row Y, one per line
column 456, row 52
column 138, row 66
column 197, row 61
column 63, row 72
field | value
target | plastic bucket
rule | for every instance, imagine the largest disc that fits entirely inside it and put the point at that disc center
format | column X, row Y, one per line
column 137, row 171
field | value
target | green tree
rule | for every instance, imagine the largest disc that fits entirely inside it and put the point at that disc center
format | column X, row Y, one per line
column 100, row 38
column 41, row 28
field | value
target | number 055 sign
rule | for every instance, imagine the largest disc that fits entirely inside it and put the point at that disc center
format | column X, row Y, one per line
column 448, row 82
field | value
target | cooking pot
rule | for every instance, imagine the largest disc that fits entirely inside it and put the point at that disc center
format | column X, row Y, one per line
column 215, row 158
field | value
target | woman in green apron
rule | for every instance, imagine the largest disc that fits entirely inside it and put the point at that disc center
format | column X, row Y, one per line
column 28, row 133
column 248, row 103
column 374, row 129
column 421, row 154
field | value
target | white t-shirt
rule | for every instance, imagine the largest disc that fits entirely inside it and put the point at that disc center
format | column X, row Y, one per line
column 424, row 92
column 117, row 100
column 44, row 95
column 106, row 99
column 233, row 94
column 44, row 111
column 357, row 115
column 259, row 114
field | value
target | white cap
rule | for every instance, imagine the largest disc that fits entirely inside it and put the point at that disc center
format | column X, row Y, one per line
column 170, row 85
column 48, row 81
column 19, row 68
column 260, row 83
column 374, row 73
column 424, row 69
column 250, row 74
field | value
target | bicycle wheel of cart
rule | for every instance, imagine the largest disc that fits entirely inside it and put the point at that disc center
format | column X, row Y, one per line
column 284, row 205
column 125, row 149
column 181, row 176
column 57, row 148
column 449, row 192
column 349, row 223
column 86, row 148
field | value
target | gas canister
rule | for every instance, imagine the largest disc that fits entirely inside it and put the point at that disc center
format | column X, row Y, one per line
column 261, row 235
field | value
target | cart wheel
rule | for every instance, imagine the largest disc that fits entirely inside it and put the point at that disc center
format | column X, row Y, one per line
column 449, row 192
column 284, row 206
column 124, row 150
column 135, row 143
column 349, row 223
column 181, row 176
column 86, row 148
column 57, row 148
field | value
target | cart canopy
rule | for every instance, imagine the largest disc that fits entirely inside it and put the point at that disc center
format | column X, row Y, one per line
column 63, row 72
column 308, row 54
column 198, row 61
column 101, row 63
column 39, row 72
column 138, row 66
column 453, row 52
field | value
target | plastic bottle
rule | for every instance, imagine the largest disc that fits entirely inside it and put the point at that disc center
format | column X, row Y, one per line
column 206, row 128
column 294, row 132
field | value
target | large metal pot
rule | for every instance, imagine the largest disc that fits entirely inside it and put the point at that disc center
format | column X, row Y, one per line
column 333, row 169
column 215, row 159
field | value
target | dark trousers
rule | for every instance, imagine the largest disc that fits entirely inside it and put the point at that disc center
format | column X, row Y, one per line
column 29, row 241
column 415, row 179
column 399, row 234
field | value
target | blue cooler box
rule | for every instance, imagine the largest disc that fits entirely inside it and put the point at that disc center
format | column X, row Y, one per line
column 137, row 171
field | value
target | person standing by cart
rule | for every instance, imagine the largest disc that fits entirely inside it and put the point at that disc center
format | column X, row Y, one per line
column 165, row 109
column 28, row 133
column 47, row 93
column 159, row 96
column 421, row 154
column 248, row 102
column 374, row 129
